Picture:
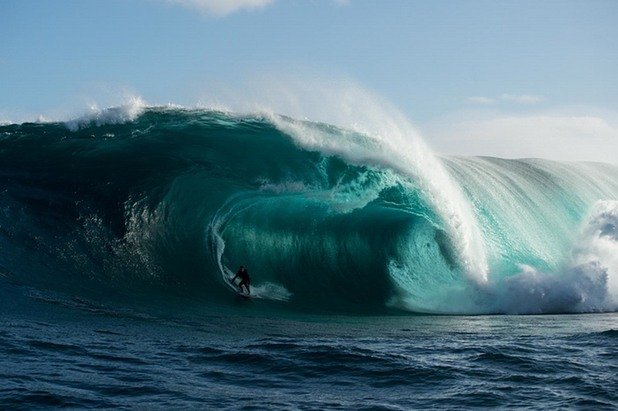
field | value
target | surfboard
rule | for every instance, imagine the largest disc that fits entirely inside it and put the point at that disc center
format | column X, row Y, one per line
column 227, row 277
column 244, row 295
column 237, row 291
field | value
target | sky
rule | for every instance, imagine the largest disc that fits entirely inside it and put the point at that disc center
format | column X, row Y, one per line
column 503, row 78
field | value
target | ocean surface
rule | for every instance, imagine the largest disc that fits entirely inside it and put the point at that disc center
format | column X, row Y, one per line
column 383, row 276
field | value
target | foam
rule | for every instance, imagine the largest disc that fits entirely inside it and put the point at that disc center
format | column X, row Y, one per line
column 129, row 111
column 598, row 244
column 586, row 283
column 270, row 291
column 581, row 288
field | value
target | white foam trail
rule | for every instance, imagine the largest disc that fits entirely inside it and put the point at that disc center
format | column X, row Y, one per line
column 270, row 291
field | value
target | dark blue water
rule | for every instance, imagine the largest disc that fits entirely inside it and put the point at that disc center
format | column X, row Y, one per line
column 69, row 352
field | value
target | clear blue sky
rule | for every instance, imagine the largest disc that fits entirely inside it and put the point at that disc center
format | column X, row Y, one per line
column 429, row 58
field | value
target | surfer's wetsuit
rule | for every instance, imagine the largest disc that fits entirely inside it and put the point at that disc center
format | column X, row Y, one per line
column 243, row 274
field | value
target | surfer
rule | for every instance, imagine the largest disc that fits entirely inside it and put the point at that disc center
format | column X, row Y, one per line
column 243, row 274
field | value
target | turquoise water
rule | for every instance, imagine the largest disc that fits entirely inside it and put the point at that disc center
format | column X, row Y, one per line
column 378, row 269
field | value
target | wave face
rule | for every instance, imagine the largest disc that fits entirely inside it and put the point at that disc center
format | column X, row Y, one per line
column 171, row 201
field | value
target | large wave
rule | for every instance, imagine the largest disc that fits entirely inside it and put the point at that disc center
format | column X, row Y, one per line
column 172, row 200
